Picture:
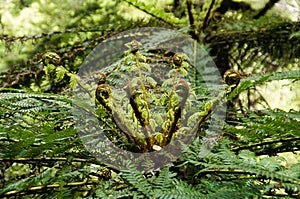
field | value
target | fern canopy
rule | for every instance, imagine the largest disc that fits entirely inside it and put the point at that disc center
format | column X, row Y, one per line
column 252, row 151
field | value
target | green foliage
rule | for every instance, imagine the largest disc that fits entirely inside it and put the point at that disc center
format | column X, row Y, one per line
column 260, row 79
column 41, row 155
column 147, row 107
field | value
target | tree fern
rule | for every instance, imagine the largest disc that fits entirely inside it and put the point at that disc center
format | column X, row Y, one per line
column 41, row 154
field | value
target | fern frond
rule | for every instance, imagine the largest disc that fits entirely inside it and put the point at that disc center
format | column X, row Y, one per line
column 254, row 80
column 180, row 190
column 136, row 179
column 164, row 180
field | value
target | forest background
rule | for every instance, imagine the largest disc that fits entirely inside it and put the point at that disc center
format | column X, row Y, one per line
column 43, row 44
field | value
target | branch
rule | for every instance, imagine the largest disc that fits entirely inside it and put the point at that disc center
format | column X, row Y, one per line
column 267, row 7
column 149, row 13
column 225, row 171
column 282, row 28
column 41, row 188
column 22, row 76
column 192, row 20
column 207, row 16
column 91, row 160
column 236, row 149
column 8, row 38
column 254, row 173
